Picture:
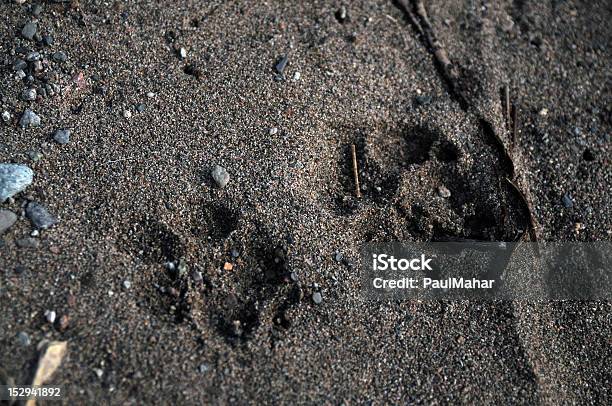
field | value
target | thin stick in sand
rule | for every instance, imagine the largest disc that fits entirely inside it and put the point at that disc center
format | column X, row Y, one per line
column 355, row 171
column 507, row 106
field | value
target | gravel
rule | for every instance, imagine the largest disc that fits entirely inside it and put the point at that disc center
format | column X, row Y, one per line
column 40, row 216
column 14, row 178
column 317, row 298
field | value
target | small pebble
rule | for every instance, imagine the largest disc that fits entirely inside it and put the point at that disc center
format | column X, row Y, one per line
column 140, row 107
column 60, row 56
column 444, row 192
column 341, row 14
column 220, row 176
column 50, row 316
column 32, row 56
column 197, row 276
column 35, row 156
column 423, row 100
column 203, row 368
column 62, row 136
column 127, row 285
column 37, row 10
column 98, row 372
column 337, row 256
column 29, row 30
column 7, row 219
column 6, row 116
column 63, row 322
column 28, row 242
column 48, row 39
column 182, row 53
column 127, row 114
column 150, row 95
column 14, row 179
column 40, row 216
column 297, row 76
column 234, row 253
column 38, row 66
column 20, row 64
column 24, row 338
column 281, row 65
column 28, row 95
column 273, row 131
column 567, row 201
column 29, row 119
column 317, row 298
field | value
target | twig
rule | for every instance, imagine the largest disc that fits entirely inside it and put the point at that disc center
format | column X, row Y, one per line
column 514, row 123
column 355, row 171
column 533, row 228
column 507, row 105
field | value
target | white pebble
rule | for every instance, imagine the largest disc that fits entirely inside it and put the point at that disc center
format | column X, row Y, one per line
column 50, row 316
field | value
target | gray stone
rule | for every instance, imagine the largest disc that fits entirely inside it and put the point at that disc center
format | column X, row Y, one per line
column 37, row 10
column 317, row 298
column 40, row 216
column 28, row 242
column 444, row 192
column 28, row 94
column 20, row 64
column 34, row 155
column 14, row 179
column 281, row 65
column 62, row 136
column 29, row 30
column 24, row 338
column 29, row 119
column 60, row 56
column 7, row 219
column 32, row 56
column 220, row 175
column 567, row 201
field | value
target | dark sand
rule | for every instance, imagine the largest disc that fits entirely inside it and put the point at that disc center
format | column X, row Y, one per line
column 134, row 193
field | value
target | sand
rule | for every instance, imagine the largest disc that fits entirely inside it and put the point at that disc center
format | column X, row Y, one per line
column 134, row 193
